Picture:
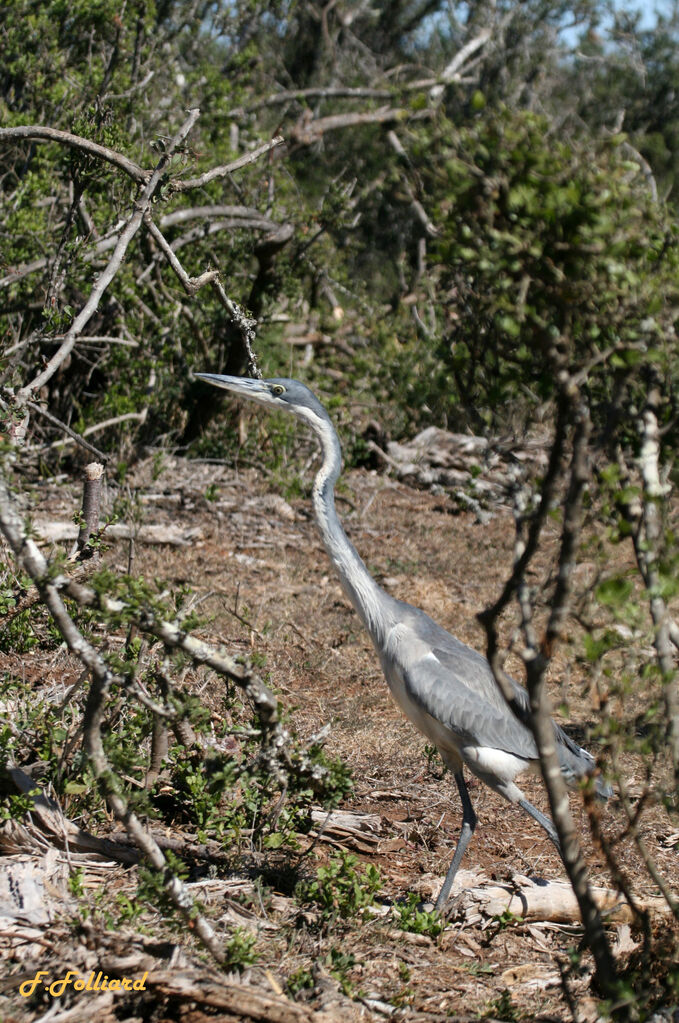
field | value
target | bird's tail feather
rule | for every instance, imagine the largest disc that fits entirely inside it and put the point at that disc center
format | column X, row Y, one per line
column 577, row 762
column 602, row 788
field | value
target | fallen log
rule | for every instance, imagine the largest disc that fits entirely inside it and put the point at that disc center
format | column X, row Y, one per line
column 56, row 828
column 343, row 828
column 465, row 464
column 177, row 536
column 475, row 900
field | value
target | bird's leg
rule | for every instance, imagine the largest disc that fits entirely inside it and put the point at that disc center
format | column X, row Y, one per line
column 544, row 821
column 468, row 824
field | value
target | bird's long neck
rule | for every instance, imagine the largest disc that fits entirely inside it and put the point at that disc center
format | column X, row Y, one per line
column 360, row 587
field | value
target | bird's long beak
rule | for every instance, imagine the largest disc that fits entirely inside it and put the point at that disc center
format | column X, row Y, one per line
column 245, row 387
column 248, row 387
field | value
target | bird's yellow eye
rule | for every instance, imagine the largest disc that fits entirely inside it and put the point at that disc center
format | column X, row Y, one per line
column 278, row 389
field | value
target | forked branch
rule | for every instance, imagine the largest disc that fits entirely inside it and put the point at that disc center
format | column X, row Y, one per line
column 131, row 227
column 536, row 658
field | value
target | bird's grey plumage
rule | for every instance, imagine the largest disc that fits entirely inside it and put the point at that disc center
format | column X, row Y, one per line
column 444, row 687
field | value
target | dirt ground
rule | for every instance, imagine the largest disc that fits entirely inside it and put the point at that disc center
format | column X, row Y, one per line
column 265, row 585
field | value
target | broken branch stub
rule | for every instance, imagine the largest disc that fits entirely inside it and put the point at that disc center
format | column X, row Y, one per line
column 89, row 521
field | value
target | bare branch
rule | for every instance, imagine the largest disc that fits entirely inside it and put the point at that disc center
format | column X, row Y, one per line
column 359, row 92
column 243, row 324
column 223, row 171
column 245, row 213
column 451, row 72
column 524, row 553
column 645, row 166
column 238, row 217
column 206, row 230
column 328, row 92
column 306, row 131
column 107, row 275
column 137, row 87
column 174, row 637
column 102, row 339
column 649, row 862
column 102, row 244
column 23, row 271
column 648, row 546
column 536, row 661
column 139, row 417
column 536, row 656
column 39, row 133
column 76, row 437
column 417, row 207
column 191, row 284
column 618, row 875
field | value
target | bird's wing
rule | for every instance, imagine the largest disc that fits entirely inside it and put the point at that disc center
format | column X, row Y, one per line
column 455, row 675
column 446, row 695
column 456, row 656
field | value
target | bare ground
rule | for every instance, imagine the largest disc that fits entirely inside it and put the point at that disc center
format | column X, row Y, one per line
column 265, row 585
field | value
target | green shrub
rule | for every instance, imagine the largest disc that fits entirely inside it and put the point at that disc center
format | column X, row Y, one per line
column 340, row 889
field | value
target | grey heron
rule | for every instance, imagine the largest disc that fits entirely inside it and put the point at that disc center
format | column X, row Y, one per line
column 443, row 686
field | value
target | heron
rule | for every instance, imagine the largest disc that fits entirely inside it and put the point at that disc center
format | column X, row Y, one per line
column 444, row 687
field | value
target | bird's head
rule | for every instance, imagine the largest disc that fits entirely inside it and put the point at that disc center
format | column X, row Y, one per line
column 278, row 393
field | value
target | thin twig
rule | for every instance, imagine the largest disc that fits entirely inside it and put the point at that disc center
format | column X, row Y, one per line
column 191, row 284
column 76, row 437
column 536, row 660
column 451, row 72
column 229, row 168
column 245, row 213
column 307, row 132
column 537, row 654
column 137, row 87
column 524, row 553
column 328, row 92
column 244, row 324
column 618, row 875
column 648, row 551
column 139, row 417
column 632, row 819
column 173, row 636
